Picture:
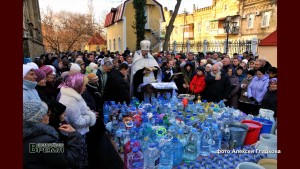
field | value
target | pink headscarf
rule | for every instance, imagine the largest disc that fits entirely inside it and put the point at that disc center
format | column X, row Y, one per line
column 75, row 82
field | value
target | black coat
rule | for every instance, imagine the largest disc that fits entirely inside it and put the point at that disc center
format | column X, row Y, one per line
column 116, row 88
column 43, row 133
column 179, row 81
column 270, row 101
column 217, row 89
column 92, row 97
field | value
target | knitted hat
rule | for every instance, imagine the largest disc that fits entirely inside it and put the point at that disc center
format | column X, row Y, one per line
column 93, row 78
column 245, row 61
column 26, row 69
column 33, row 65
column 53, row 68
column 273, row 80
column 204, row 61
column 40, row 75
column 47, row 70
column 93, row 65
column 74, row 69
column 34, row 110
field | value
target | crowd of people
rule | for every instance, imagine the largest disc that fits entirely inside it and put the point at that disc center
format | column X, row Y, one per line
column 63, row 93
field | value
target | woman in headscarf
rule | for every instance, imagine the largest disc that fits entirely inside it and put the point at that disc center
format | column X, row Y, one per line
column 235, row 86
column 78, row 114
column 36, row 130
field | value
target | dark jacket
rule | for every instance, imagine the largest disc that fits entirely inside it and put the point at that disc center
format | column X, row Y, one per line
column 270, row 101
column 217, row 89
column 43, row 133
column 179, row 80
column 92, row 97
column 116, row 88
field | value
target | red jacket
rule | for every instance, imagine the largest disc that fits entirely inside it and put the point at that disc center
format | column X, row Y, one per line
column 198, row 84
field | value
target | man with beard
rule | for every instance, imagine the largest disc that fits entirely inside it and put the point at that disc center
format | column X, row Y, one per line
column 144, row 69
column 218, row 85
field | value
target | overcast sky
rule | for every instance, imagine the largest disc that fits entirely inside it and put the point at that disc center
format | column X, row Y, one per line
column 101, row 7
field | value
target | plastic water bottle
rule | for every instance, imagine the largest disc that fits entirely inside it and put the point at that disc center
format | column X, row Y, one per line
column 205, row 143
column 106, row 112
column 128, row 148
column 181, row 136
column 190, row 150
column 135, row 159
column 151, row 157
column 114, row 127
column 217, row 138
column 166, row 154
column 177, row 151
column 226, row 137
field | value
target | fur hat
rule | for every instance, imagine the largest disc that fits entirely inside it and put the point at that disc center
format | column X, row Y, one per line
column 145, row 45
column 47, row 70
column 201, row 68
column 34, row 110
column 39, row 74
column 33, row 65
column 26, row 69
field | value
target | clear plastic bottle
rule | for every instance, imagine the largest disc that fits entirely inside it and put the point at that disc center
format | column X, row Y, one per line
column 182, row 137
column 135, row 159
column 177, row 151
column 205, row 143
column 190, row 150
column 226, row 137
column 166, row 154
column 151, row 157
column 217, row 138
column 106, row 112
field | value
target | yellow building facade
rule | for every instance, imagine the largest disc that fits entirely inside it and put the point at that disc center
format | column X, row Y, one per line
column 120, row 32
column 207, row 23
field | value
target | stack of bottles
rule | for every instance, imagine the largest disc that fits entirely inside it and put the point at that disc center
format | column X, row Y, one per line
column 164, row 133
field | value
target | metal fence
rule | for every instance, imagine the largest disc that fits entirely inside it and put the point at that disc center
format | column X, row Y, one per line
column 234, row 46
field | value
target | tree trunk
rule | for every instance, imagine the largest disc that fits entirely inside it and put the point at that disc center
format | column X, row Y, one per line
column 170, row 26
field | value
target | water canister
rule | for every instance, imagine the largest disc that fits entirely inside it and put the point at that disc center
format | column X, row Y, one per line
column 249, row 165
column 268, row 114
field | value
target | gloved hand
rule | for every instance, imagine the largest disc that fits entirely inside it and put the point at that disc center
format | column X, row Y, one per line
column 252, row 98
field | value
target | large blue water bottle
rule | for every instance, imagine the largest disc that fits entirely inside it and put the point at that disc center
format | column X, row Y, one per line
column 166, row 153
column 151, row 157
column 217, row 139
column 106, row 112
column 205, row 142
column 190, row 150
column 177, row 151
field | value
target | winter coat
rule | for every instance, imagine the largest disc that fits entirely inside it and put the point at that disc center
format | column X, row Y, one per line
column 270, row 101
column 43, row 133
column 29, row 91
column 116, row 88
column 78, row 114
column 243, row 97
column 217, row 90
column 235, row 86
column 92, row 97
column 258, row 87
column 198, row 84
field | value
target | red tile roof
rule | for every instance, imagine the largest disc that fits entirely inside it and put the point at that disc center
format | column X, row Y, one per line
column 270, row 40
column 97, row 40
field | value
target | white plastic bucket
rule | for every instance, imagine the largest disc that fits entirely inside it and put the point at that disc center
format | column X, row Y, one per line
column 249, row 165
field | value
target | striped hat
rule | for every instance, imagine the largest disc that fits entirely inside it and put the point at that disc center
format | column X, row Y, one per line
column 39, row 74
column 47, row 70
